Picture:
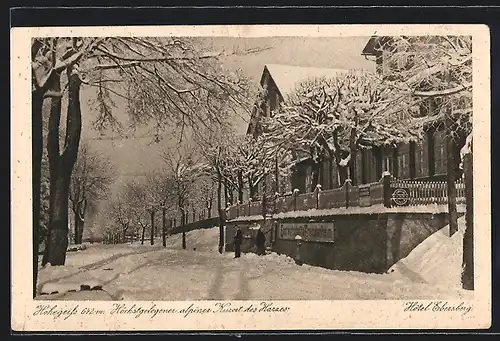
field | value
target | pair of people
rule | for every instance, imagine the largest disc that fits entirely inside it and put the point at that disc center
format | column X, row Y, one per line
column 260, row 242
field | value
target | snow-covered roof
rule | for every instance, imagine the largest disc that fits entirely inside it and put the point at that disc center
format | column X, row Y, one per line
column 287, row 77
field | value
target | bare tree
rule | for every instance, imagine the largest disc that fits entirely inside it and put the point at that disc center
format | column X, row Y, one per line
column 162, row 193
column 165, row 80
column 143, row 202
column 183, row 168
column 206, row 192
column 216, row 148
column 90, row 181
column 121, row 214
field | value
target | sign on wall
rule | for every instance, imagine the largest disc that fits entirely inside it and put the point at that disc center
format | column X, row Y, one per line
column 364, row 195
column 312, row 232
column 400, row 197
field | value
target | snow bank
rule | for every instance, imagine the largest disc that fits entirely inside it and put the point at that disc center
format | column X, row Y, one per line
column 374, row 209
column 76, row 247
column 437, row 260
column 248, row 218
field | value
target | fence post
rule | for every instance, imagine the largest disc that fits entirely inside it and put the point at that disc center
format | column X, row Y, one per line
column 295, row 193
column 347, row 185
column 387, row 189
column 318, row 189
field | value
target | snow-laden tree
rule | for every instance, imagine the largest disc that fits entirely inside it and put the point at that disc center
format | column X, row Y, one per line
column 164, row 80
column 204, row 194
column 122, row 216
column 256, row 160
column 91, row 179
column 143, row 202
column 162, row 194
column 183, row 167
column 437, row 70
column 335, row 117
column 217, row 149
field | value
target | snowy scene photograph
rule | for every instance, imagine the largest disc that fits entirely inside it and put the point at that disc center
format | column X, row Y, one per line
column 236, row 168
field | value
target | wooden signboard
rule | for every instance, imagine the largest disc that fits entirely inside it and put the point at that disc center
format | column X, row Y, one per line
column 364, row 195
column 310, row 232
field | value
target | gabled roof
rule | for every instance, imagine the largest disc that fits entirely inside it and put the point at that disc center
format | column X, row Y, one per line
column 287, row 77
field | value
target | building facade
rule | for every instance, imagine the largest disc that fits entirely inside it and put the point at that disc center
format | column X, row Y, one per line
column 425, row 160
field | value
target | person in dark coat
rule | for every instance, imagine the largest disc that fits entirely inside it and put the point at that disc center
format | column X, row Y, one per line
column 260, row 242
column 237, row 243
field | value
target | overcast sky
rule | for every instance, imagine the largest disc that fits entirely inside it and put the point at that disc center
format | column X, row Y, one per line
column 136, row 156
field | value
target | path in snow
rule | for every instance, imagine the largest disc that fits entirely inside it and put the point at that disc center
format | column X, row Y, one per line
column 155, row 273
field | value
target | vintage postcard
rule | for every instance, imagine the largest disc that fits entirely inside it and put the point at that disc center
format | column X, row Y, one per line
column 267, row 177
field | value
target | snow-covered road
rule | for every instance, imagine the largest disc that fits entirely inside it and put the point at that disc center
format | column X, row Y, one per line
column 135, row 272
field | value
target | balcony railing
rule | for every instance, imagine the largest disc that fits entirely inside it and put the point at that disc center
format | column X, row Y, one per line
column 388, row 192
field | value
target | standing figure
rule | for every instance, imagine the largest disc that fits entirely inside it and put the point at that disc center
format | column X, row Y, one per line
column 237, row 243
column 260, row 242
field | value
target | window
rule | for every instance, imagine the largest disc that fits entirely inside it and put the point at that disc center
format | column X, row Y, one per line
column 421, row 162
column 373, row 174
column 325, row 174
column 404, row 161
column 387, row 161
column 359, row 167
column 268, row 106
column 367, row 167
column 335, row 175
column 308, row 179
column 440, row 154
column 274, row 102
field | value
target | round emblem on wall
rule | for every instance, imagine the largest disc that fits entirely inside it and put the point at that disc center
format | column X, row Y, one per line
column 400, row 197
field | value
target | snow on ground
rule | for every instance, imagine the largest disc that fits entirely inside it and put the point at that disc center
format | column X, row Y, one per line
column 437, row 260
column 145, row 272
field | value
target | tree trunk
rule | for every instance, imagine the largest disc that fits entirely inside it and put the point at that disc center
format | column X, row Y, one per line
column 252, row 188
column 468, row 239
column 450, row 180
column 79, row 224
column 57, row 239
column 221, row 212
column 352, row 167
column 276, row 175
column 240, row 187
column 61, row 167
column 226, row 193
column 152, row 234
column 230, row 197
column 164, row 227
column 342, row 171
column 183, row 224
column 37, row 150
column 315, row 175
column 143, row 233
